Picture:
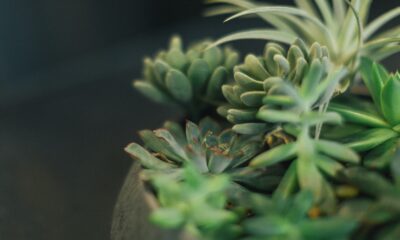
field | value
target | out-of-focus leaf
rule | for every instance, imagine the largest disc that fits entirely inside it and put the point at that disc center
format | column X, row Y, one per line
column 178, row 85
column 390, row 99
column 369, row 139
column 274, row 155
column 338, row 151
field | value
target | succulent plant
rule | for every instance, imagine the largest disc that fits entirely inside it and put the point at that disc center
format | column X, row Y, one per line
column 381, row 120
column 211, row 150
column 288, row 218
column 379, row 209
column 253, row 78
column 299, row 158
column 196, row 204
column 340, row 25
column 294, row 109
column 189, row 79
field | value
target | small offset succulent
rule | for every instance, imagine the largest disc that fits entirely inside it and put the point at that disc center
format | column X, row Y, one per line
column 253, row 81
column 381, row 120
column 380, row 208
column 340, row 25
column 209, row 149
column 289, row 218
column 196, row 204
column 302, row 154
column 190, row 79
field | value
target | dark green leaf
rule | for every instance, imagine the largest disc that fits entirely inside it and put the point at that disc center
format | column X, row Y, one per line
column 198, row 73
column 356, row 116
column 390, row 98
column 151, row 92
column 369, row 139
column 179, row 86
column 217, row 79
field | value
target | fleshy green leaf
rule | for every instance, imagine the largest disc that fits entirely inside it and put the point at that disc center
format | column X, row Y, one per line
column 274, row 155
column 151, row 92
column 380, row 157
column 337, row 151
column 278, row 116
column 178, row 85
column 373, row 79
column 146, row 159
column 354, row 115
column 250, row 128
column 253, row 98
column 217, row 79
column 390, row 98
column 369, row 139
column 198, row 73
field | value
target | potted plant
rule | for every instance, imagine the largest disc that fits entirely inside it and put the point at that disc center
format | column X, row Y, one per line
column 300, row 141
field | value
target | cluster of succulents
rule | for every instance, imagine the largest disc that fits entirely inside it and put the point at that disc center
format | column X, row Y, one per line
column 298, row 154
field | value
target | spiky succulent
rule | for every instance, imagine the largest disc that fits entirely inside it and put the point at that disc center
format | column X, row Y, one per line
column 288, row 218
column 380, row 120
column 340, row 25
column 196, row 204
column 379, row 207
column 253, row 80
column 210, row 149
column 190, row 79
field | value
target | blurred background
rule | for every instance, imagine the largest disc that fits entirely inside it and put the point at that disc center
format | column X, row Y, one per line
column 67, row 108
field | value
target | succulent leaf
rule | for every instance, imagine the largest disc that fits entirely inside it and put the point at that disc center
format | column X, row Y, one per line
column 390, row 99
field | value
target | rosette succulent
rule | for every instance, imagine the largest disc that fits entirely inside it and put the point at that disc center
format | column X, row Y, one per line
column 379, row 136
column 190, row 79
column 253, row 80
column 208, row 148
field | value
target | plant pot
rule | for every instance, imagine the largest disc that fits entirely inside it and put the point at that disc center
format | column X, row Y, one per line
column 131, row 213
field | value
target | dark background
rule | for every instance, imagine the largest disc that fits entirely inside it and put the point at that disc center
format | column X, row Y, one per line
column 67, row 108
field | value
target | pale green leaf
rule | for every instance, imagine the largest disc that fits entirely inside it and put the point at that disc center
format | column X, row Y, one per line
column 274, row 155
column 270, row 35
column 380, row 21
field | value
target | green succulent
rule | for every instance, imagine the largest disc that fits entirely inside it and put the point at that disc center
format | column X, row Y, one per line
column 208, row 148
column 380, row 212
column 294, row 109
column 340, row 25
column 380, row 136
column 287, row 218
column 196, row 204
column 253, row 78
column 190, row 79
